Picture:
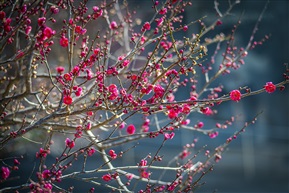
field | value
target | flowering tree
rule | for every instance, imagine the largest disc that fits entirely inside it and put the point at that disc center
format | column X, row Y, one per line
column 97, row 78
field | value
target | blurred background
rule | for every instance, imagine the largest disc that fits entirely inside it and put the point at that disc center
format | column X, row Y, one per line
column 258, row 161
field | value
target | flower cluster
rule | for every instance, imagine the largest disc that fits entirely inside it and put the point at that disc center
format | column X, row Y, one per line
column 89, row 84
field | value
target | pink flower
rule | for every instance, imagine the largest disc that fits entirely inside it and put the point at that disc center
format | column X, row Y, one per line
column 41, row 21
column 130, row 129
column 172, row 114
column 213, row 134
column 78, row 92
column 121, row 126
column 67, row 77
column 143, row 162
column 97, row 12
column 91, row 151
column 159, row 21
column 113, row 25
column 67, row 100
column 106, row 177
column 69, row 143
column 218, row 157
column 88, row 126
column 270, row 87
column 144, row 174
column 169, row 135
column 28, row 30
column 200, row 125
column 2, row 15
column 163, row 11
column 46, row 174
column 186, row 109
column 146, row 26
column 113, row 92
column 219, row 22
column 96, row 51
column 60, row 69
column 42, row 153
column 80, row 30
column 48, row 33
column 129, row 176
column 112, row 154
column 63, row 41
column 16, row 162
column 5, row 172
column 235, row 95
column 185, row 153
column 54, row 9
column 207, row 111
column 126, row 63
column 47, row 186
column 185, row 28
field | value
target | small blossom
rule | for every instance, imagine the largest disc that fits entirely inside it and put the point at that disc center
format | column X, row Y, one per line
column 78, row 92
column 106, row 177
column 89, row 113
column 126, row 63
column 88, row 126
column 5, row 172
column 146, row 26
column 75, row 70
column 130, row 129
column 63, row 41
column 172, row 114
column 48, row 186
column 42, row 153
column 41, row 21
column 91, row 151
column 218, row 157
column 80, row 30
column 69, row 143
column 163, row 11
column 60, row 69
column 122, row 125
column 159, row 21
column 200, row 125
column 144, row 174
column 169, row 135
column 46, row 174
column 185, row 153
column 186, row 109
column 67, row 100
column 129, row 176
column 48, row 33
column 213, row 134
column 67, row 77
column 97, row 12
column 185, row 28
column 270, row 87
column 235, row 95
column 28, row 30
column 54, row 9
column 186, row 122
column 2, row 15
column 112, row 154
column 16, row 162
column 78, row 134
column 96, row 51
column 207, row 111
column 143, row 162
column 219, row 22
column 113, row 25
